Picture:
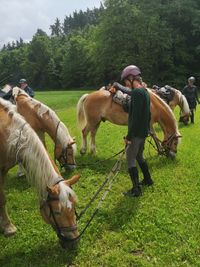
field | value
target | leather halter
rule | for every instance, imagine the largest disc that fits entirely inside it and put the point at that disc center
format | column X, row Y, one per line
column 167, row 143
column 56, row 227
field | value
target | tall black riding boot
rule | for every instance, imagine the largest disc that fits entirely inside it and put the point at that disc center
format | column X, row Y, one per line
column 146, row 174
column 136, row 190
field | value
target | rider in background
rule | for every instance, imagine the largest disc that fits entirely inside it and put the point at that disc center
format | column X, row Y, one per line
column 24, row 85
column 138, row 126
column 191, row 94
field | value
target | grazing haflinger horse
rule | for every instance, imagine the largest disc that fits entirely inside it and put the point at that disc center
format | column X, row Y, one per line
column 43, row 119
column 20, row 143
column 99, row 106
column 174, row 97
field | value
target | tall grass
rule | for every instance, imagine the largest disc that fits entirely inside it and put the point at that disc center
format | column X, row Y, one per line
column 161, row 228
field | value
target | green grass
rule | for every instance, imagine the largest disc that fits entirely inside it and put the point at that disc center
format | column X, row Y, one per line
column 161, row 228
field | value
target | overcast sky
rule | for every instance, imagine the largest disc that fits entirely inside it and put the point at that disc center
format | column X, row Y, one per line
column 22, row 18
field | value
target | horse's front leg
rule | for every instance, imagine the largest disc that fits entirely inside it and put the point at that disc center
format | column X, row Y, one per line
column 85, row 132
column 5, row 223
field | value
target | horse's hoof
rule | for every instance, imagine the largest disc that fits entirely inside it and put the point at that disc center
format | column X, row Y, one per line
column 82, row 151
column 93, row 152
column 10, row 230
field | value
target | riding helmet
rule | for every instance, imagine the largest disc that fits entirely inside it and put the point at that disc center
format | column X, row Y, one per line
column 130, row 70
column 22, row 81
column 191, row 79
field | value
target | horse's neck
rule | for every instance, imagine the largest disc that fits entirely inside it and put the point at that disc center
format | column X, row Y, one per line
column 168, row 124
column 166, row 117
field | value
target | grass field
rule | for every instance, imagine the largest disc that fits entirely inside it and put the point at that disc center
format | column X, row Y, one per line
column 161, row 228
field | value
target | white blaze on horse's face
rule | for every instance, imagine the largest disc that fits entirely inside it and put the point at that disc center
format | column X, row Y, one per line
column 59, row 211
column 174, row 145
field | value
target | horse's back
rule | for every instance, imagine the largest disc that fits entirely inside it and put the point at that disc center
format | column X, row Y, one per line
column 99, row 105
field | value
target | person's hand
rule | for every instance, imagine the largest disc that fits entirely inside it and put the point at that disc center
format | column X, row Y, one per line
column 126, row 141
column 112, row 90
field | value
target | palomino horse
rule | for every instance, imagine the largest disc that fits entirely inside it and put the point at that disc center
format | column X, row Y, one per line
column 174, row 97
column 19, row 143
column 99, row 106
column 43, row 119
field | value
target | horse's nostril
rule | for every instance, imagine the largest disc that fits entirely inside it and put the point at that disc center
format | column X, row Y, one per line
column 69, row 244
column 70, row 167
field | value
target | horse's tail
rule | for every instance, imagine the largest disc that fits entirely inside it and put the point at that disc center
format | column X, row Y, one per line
column 81, row 118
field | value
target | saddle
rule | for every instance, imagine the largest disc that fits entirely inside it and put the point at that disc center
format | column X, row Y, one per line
column 166, row 93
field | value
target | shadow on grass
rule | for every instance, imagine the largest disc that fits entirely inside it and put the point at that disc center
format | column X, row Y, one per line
column 46, row 255
column 17, row 183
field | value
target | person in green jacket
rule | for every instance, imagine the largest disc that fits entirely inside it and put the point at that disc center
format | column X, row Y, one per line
column 138, row 127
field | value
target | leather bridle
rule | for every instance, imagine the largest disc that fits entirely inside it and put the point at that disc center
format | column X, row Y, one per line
column 168, row 142
column 59, row 230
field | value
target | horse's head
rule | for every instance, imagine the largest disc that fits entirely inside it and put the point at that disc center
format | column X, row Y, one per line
column 66, row 155
column 185, row 110
column 170, row 144
column 59, row 211
column 184, row 119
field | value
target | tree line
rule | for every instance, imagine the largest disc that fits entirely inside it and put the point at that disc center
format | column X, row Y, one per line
column 90, row 48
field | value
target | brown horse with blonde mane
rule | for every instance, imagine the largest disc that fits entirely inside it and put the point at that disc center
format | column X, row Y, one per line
column 44, row 120
column 99, row 106
column 19, row 143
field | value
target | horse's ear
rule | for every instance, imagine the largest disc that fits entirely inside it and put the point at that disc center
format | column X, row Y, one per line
column 72, row 142
column 73, row 180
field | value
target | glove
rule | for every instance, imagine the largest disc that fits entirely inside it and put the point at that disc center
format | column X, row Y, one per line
column 112, row 90
column 126, row 141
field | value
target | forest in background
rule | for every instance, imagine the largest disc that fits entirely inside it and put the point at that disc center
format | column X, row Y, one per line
column 90, row 48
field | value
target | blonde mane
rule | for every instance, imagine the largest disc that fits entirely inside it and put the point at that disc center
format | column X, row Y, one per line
column 167, row 108
column 184, row 104
column 63, row 135
column 25, row 144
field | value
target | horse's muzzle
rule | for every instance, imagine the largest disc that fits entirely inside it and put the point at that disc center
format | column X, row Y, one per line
column 171, row 154
column 70, row 167
column 69, row 243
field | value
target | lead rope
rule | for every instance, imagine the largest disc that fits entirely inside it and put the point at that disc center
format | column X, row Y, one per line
column 114, row 171
column 100, row 161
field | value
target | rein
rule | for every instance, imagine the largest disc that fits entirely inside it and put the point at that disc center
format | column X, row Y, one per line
column 100, row 161
column 109, row 179
column 162, row 147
